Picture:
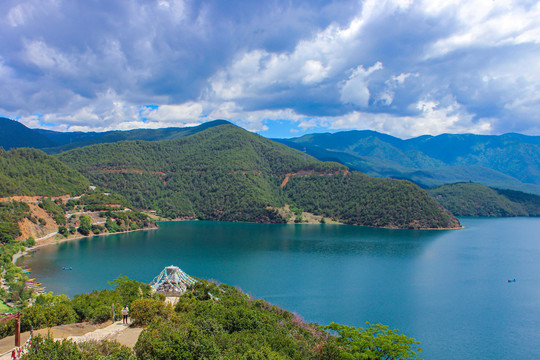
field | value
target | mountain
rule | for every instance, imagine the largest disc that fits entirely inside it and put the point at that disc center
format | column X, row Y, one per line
column 13, row 135
column 227, row 173
column 66, row 141
column 16, row 135
column 32, row 172
column 509, row 161
column 470, row 199
column 29, row 178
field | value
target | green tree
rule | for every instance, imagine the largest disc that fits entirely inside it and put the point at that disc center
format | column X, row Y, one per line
column 85, row 225
column 62, row 230
column 374, row 342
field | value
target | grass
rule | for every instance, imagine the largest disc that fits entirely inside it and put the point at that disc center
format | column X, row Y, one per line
column 4, row 308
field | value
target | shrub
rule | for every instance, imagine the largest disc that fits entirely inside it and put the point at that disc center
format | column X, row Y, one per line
column 102, row 313
column 45, row 348
column 30, row 242
column 62, row 230
column 143, row 311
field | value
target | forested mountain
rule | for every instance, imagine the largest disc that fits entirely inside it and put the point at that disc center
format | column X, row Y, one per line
column 507, row 161
column 67, row 141
column 470, row 199
column 510, row 161
column 33, row 177
column 32, row 172
column 227, row 173
column 13, row 135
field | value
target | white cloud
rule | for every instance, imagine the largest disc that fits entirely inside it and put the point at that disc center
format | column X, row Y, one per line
column 449, row 65
column 433, row 118
column 45, row 57
column 486, row 23
column 314, row 72
column 355, row 89
column 190, row 111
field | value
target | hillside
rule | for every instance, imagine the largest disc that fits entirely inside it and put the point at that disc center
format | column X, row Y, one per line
column 39, row 194
column 359, row 199
column 470, row 199
column 229, row 174
column 507, row 161
column 67, row 141
column 13, row 135
column 32, row 172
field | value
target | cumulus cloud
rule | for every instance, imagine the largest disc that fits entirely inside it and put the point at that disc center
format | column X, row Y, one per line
column 355, row 89
column 405, row 67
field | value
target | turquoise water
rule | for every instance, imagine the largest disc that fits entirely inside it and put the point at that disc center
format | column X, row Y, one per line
column 448, row 289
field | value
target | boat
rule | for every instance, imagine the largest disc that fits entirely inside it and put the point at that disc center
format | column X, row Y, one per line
column 67, row 268
column 513, row 280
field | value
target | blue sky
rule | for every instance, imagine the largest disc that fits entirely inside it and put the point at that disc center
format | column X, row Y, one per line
column 280, row 68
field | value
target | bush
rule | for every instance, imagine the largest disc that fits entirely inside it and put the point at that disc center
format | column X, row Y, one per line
column 30, row 242
column 62, row 230
column 102, row 313
column 143, row 311
column 45, row 348
column 40, row 316
column 97, row 229
column 85, row 225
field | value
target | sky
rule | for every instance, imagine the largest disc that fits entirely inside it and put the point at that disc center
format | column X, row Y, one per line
column 279, row 68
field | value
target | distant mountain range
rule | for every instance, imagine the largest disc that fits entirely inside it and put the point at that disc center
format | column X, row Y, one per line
column 509, row 161
column 222, row 172
column 16, row 135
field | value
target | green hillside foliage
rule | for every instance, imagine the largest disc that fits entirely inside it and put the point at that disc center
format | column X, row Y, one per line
column 223, row 173
column 470, row 199
column 13, row 135
column 529, row 202
column 68, row 141
column 224, row 148
column 32, row 172
column 506, row 161
column 10, row 214
column 55, row 210
column 228, row 174
column 359, row 199
column 100, row 200
column 204, row 326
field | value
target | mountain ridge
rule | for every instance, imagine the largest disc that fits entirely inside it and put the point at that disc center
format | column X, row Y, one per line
column 227, row 173
column 509, row 161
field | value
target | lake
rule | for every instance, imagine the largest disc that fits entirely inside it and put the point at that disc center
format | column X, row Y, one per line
column 448, row 289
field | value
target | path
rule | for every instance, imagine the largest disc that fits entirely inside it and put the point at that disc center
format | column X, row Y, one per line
column 100, row 334
column 47, row 236
column 79, row 333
